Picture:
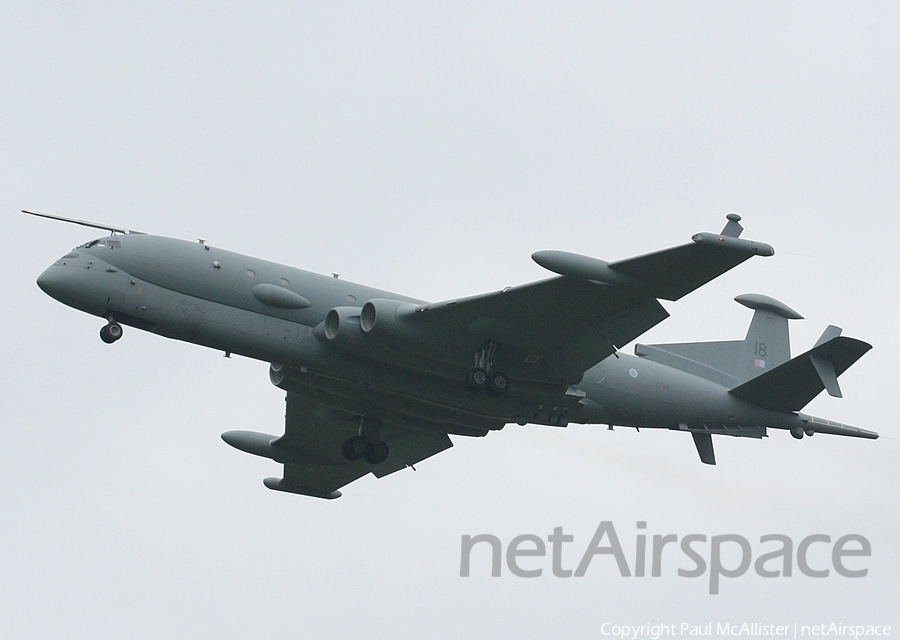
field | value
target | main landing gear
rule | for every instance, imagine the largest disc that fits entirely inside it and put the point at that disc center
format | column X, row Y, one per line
column 483, row 376
column 111, row 332
column 368, row 444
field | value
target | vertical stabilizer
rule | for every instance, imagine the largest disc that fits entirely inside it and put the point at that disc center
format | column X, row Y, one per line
column 768, row 342
column 766, row 345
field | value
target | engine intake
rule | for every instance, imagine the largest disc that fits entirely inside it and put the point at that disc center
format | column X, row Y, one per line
column 384, row 318
column 340, row 327
column 341, row 320
column 377, row 330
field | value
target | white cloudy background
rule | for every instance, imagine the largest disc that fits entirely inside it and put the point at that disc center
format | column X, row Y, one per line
column 429, row 149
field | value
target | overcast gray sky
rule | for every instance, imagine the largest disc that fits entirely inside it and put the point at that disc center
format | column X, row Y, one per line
column 429, row 149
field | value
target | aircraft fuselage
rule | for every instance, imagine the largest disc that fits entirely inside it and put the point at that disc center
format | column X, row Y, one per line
column 262, row 310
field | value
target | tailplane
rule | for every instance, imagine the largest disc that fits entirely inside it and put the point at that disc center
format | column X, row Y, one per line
column 793, row 384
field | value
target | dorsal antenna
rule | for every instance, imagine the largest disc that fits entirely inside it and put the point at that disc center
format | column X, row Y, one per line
column 83, row 223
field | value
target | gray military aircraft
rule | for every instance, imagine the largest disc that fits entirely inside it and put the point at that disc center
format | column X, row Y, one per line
column 377, row 382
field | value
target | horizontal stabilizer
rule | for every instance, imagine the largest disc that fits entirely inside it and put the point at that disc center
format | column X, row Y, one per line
column 792, row 385
column 711, row 360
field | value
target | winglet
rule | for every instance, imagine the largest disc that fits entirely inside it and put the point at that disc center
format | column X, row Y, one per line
column 733, row 227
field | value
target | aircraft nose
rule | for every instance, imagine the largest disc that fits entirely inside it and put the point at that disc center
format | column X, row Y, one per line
column 79, row 284
column 50, row 281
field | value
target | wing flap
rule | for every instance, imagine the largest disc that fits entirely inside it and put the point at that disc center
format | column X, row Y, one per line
column 601, row 340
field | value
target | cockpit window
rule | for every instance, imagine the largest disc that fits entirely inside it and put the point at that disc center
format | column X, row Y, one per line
column 103, row 242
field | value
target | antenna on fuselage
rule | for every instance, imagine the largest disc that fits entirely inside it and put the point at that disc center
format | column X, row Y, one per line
column 84, row 223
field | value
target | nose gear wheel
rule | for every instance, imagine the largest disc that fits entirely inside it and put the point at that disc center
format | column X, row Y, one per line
column 111, row 332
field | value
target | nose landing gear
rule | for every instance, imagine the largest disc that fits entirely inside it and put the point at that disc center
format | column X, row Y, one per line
column 111, row 332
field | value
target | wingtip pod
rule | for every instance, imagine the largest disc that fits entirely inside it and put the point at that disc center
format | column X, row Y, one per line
column 750, row 247
column 279, row 484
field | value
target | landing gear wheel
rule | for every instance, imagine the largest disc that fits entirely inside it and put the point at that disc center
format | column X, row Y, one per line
column 111, row 332
column 376, row 452
column 497, row 384
column 476, row 380
column 354, row 448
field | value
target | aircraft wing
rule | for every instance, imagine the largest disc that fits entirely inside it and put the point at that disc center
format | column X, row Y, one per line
column 554, row 330
column 550, row 330
column 310, row 448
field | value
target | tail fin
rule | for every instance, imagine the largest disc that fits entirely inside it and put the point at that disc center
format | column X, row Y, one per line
column 793, row 384
column 730, row 363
